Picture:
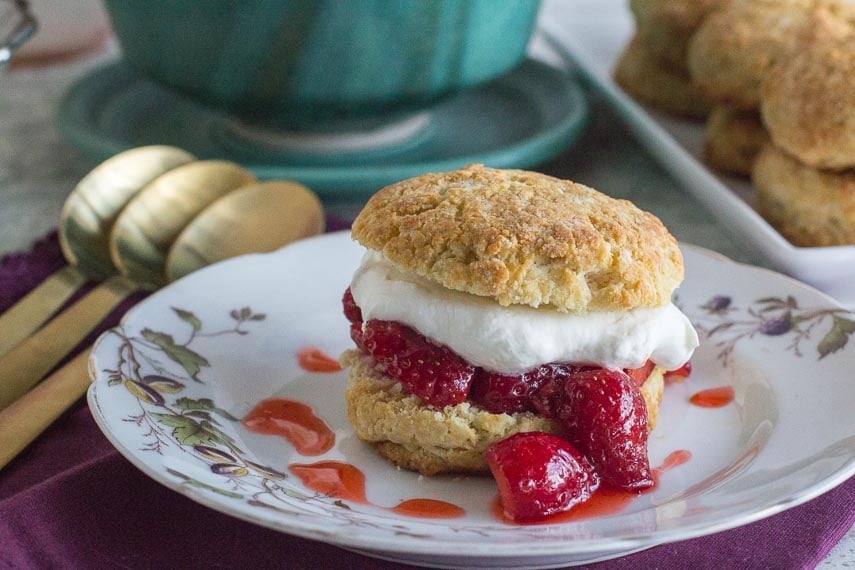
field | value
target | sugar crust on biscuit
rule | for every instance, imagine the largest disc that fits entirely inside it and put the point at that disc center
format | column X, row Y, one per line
column 523, row 238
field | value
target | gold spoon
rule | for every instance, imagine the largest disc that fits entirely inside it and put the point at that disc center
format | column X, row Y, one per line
column 258, row 218
column 177, row 197
column 84, row 234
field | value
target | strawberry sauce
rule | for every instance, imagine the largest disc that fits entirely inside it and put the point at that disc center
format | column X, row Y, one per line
column 428, row 508
column 713, row 397
column 294, row 421
column 313, row 359
column 310, row 435
column 674, row 459
column 344, row 481
column 333, row 478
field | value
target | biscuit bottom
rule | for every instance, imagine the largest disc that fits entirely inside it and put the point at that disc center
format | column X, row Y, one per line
column 809, row 207
column 733, row 139
column 440, row 440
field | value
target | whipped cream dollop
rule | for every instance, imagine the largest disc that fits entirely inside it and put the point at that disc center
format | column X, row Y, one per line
column 517, row 338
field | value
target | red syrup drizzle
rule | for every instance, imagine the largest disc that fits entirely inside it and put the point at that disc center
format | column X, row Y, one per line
column 344, row 481
column 310, row 435
column 713, row 397
column 294, row 421
column 605, row 501
column 313, row 359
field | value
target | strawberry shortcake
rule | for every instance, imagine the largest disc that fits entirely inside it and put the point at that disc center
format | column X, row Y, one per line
column 496, row 302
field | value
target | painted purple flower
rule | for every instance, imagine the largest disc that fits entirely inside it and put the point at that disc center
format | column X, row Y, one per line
column 776, row 326
column 717, row 304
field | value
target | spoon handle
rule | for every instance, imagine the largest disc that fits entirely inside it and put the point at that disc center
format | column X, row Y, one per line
column 25, row 317
column 23, row 421
column 27, row 363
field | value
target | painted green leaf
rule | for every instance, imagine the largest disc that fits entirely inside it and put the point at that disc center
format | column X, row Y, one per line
column 189, row 318
column 837, row 337
column 245, row 313
column 216, row 432
column 191, row 361
column 189, row 432
column 205, row 404
column 771, row 300
column 195, row 435
column 258, row 317
column 173, row 420
column 201, row 414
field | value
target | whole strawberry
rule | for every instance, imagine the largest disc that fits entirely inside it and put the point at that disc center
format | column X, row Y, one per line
column 605, row 415
column 539, row 474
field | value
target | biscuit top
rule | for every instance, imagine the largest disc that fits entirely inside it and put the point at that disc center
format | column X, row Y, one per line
column 523, row 238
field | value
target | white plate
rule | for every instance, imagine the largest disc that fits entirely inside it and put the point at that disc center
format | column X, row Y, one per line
column 595, row 32
column 788, row 436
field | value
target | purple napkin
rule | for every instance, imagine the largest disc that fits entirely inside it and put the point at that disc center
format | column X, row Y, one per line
column 70, row 500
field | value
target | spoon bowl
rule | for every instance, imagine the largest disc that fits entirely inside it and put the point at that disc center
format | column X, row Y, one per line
column 93, row 206
column 153, row 219
column 258, row 218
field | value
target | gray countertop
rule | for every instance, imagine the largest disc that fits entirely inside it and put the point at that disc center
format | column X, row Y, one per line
column 37, row 171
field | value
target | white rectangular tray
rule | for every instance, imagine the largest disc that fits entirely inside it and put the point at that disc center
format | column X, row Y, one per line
column 594, row 32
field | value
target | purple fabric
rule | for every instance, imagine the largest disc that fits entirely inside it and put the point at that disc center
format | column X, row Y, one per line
column 70, row 500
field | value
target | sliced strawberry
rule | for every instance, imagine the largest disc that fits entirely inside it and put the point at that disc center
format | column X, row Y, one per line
column 641, row 373
column 353, row 314
column 505, row 393
column 430, row 371
column 544, row 400
column 351, row 309
column 539, row 474
column 605, row 415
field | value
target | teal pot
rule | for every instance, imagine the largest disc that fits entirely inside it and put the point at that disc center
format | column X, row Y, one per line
column 310, row 64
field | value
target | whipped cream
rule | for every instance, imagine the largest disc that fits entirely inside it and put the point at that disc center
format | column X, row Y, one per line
column 518, row 338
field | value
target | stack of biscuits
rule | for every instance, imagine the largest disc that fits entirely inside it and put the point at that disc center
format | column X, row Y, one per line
column 805, row 179
column 779, row 76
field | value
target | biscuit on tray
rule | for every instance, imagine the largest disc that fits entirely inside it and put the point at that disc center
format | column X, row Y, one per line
column 809, row 207
column 652, row 82
column 736, row 45
column 666, row 26
column 808, row 99
column 732, row 140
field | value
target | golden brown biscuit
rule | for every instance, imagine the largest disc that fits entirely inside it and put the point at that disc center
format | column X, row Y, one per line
column 809, row 207
column 733, row 139
column 658, row 85
column 445, row 440
column 665, row 26
column 808, row 99
column 736, row 45
column 523, row 238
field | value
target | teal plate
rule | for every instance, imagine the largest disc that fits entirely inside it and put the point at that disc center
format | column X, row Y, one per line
column 521, row 119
